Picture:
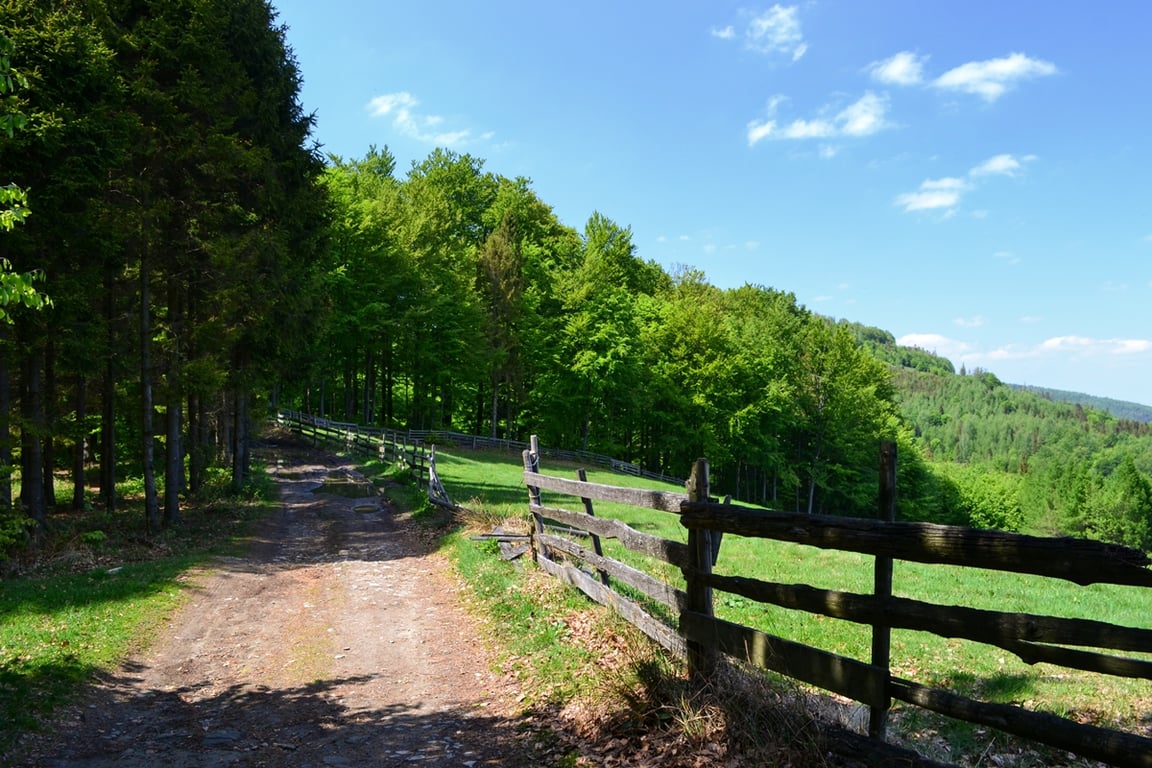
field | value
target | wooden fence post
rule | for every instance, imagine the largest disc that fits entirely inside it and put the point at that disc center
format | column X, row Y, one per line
column 882, row 633
column 532, row 464
column 701, row 656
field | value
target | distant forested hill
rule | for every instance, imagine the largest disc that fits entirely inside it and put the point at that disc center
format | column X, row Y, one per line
column 1023, row 458
column 1121, row 409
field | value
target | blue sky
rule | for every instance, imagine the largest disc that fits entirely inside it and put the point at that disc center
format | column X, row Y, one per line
column 971, row 176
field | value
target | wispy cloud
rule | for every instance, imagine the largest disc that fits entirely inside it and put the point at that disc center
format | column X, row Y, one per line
column 945, row 194
column 774, row 32
column 1001, row 165
column 933, row 194
column 401, row 107
column 905, row 68
column 992, row 78
column 1086, row 345
column 1060, row 347
column 938, row 344
column 970, row 322
column 1071, row 347
column 863, row 117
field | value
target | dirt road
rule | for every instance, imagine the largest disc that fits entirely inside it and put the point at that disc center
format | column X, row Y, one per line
column 338, row 641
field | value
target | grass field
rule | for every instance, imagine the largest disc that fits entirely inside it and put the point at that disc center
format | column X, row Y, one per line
column 493, row 483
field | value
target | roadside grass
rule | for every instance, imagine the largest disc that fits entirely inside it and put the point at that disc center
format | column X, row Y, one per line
column 493, row 485
column 97, row 587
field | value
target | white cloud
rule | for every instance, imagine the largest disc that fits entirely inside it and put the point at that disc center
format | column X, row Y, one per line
column 933, row 194
column 776, row 31
column 990, row 79
column 937, row 344
column 945, row 193
column 863, row 117
column 905, row 68
column 1001, row 165
column 971, row 322
column 1007, row 256
column 727, row 33
column 1077, row 346
column 401, row 107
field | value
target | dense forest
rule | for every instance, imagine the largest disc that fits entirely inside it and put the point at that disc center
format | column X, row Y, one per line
column 204, row 262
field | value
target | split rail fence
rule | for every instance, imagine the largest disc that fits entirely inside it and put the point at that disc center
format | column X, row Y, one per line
column 389, row 445
column 700, row 637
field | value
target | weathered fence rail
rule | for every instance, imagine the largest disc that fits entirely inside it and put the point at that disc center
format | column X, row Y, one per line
column 587, row 458
column 389, row 445
column 700, row 636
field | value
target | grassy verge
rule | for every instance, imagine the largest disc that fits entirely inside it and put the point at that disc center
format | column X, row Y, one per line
column 95, row 589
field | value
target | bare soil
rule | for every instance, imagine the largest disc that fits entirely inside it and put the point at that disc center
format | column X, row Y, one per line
column 339, row 640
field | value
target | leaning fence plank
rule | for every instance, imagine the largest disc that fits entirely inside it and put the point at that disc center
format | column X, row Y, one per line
column 1077, row 560
column 657, row 630
column 838, row 674
column 673, row 552
column 638, row 580
column 1114, row 747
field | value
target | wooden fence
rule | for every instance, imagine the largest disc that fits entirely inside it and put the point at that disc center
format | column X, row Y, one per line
column 388, row 445
column 700, row 637
column 587, row 458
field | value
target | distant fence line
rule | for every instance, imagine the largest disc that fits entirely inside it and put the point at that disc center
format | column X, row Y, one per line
column 701, row 638
column 427, row 437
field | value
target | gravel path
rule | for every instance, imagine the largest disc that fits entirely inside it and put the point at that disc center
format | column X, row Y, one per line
column 339, row 641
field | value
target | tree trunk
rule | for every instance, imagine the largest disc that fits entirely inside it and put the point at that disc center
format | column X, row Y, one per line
column 108, row 408
column 151, row 502
column 349, row 390
column 48, row 425
column 386, row 385
column 5, row 433
column 174, row 480
column 240, row 459
column 31, row 453
column 495, row 405
column 80, row 444
column 196, row 444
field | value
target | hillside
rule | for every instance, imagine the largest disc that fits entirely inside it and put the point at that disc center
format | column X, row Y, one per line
column 994, row 455
column 1121, row 409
